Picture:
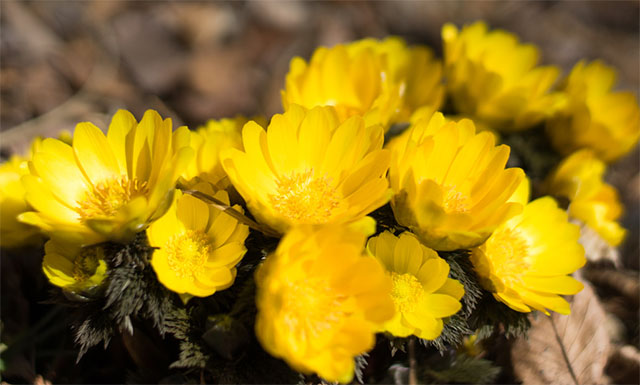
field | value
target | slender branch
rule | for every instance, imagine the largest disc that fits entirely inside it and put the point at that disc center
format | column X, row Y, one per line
column 564, row 352
column 233, row 212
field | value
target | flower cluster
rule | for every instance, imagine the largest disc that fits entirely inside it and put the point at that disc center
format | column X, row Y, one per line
column 290, row 203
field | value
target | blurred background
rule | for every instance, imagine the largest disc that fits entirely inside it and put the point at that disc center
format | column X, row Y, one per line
column 62, row 62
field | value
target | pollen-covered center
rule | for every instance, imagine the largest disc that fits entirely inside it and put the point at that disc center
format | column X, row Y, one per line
column 305, row 198
column 106, row 198
column 312, row 306
column 406, row 292
column 454, row 201
column 86, row 263
column 508, row 251
column 187, row 253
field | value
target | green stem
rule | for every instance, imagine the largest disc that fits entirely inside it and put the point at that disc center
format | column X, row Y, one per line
column 413, row 378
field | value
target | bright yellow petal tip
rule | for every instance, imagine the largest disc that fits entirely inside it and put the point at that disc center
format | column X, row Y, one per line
column 422, row 292
column 197, row 245
column 525, row 262
column 320, row 301
column 494, row 78
column 106, row 187
column 451, row 187
column 579, row 178
column 307, row 168
column 595, row 117
column 383, row 81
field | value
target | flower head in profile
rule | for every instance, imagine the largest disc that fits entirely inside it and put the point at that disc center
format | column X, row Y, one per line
column 450, row 184
column 74, row 268
column 320, row 301
column 382, row 81
column 414, row 68
column 14, row 233
column 308, row 168
column 208, row 142
column 493, row 77
column 579, row 178
column 595, row 117
column 197, row 245
column 526, row 260
column 106, row 188
column 422, row 292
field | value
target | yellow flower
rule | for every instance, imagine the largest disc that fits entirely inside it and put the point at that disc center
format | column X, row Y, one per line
column 197, row 245
column 525, row 262
column 450, row 185
column 494, row 78
column 580, row 179
column 106, row 188
column 14, row 233
column 382, row 81
column 595, row 117
column 310, row 169
column 208, row 142
column 414, row 68
column 320, row 301
column 74, row 268
column 421, row 292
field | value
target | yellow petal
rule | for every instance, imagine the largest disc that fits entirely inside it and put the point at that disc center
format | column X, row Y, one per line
column 433, row 274
column 57, row 167
column 557, row 285
column 192, row 212
column 453, row 288
column 94, row 153
column 440, row 305
column 121, row 125
column 227, row 255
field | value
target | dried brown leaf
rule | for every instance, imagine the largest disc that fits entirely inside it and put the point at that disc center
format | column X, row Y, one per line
column 565, row 349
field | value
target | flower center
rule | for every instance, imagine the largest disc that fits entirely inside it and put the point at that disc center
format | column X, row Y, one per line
column 303, row 198
column 454, row 201
column 406, row 292
column 106, row 198
column 187, row 253
column 508, row 251
column 86, row 263
column 312, row 307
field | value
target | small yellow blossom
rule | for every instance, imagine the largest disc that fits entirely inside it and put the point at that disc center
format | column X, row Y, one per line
column 308, row 168
column 14, row 233
column 422, row 292
column 580, row 179
column 451, row 187
column 197, row 245
column 595, row 117
column 320, row 301
column 494, row 78
column 74, row 268
column 208, row 142
column 106, row 188
column 526, row 260
column 382, row 81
